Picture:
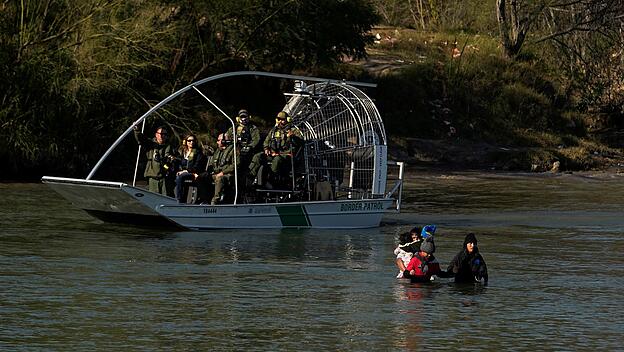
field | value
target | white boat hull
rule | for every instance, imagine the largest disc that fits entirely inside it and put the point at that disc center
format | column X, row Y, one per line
column 108, row 201
column 119, row 202
column 327, row 214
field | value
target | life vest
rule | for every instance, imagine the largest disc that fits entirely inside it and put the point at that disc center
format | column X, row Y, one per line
column 243, row 134
column 279, row 140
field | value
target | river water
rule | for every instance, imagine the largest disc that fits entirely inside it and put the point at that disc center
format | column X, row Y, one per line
column 554, row 246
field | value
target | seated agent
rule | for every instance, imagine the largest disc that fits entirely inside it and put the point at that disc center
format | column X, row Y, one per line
column 423, row 265
column 280, row 145
column 468, row 265
column 221, row 168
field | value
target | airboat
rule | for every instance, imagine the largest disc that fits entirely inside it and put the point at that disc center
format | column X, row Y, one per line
column 345, row 179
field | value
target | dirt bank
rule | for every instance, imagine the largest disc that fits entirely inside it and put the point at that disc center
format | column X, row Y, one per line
column 471, row 155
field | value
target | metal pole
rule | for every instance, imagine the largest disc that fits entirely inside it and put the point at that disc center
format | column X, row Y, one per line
column 401, row 167
column 351, row 177
column 136, row 165
column 233, row 136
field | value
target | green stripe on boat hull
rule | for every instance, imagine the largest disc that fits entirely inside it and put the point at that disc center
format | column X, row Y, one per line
column 293, row 215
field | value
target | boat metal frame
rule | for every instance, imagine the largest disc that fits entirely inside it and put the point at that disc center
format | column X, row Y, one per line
column 341, row 126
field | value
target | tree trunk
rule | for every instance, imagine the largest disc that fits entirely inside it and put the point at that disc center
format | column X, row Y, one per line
column 513, row 29
column 411, row 8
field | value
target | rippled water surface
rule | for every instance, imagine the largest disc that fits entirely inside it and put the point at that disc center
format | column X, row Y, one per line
column 554, row 246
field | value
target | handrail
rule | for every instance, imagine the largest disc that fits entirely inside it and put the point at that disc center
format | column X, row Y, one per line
column 398, row 185
column 233, row 136
column 136, row 164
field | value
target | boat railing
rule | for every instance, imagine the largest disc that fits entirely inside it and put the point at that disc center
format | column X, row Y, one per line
column 396, row 190
column 345, row 142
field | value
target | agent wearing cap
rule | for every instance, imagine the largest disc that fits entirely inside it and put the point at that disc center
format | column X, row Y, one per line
column 423, row 265
column 159, row 169
column 280, row 145
column 247, row 134
column 468, row 265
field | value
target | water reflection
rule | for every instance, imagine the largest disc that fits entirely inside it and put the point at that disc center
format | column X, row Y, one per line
column 70, row 280
column 467, row 289
column 407, row 291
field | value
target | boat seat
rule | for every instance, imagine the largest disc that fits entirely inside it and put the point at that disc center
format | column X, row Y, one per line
column 323, row 190
column 191, row 194
column 278, row 195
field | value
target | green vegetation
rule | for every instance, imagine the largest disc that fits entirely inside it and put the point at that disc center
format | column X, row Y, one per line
column 535, row 81
column 75, row 73
column 459, row 88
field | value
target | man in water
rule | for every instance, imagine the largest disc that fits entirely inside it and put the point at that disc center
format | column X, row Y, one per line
column 468, row 265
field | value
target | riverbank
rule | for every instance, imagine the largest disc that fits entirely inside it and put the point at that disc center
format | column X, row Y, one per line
column 458, row 155
column 451, row 101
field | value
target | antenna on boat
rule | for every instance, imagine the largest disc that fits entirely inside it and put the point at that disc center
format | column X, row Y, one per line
column 233, row 136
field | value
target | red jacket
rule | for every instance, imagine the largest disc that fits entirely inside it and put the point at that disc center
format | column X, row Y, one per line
column 423, row 268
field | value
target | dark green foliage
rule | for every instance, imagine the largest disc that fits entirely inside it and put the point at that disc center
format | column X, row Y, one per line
column 411, row 101
column 74, row 74
column 440, row 15
column 486, row 98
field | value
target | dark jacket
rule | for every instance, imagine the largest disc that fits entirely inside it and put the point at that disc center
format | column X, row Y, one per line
column 196, row 162
column 412, row 247
column 223, row 161
column 468, row 267
column 158, row 157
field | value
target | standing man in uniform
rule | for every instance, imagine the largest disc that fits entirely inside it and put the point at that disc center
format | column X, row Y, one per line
column 159, row 169
column 247, row 138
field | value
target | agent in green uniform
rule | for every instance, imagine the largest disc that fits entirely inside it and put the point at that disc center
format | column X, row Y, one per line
column 247, row 136
column 222, row 168
column 280, row 145
column 159, row 169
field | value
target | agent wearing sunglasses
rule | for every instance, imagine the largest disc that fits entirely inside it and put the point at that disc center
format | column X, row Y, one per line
column 159, row 169
column 247, row 135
